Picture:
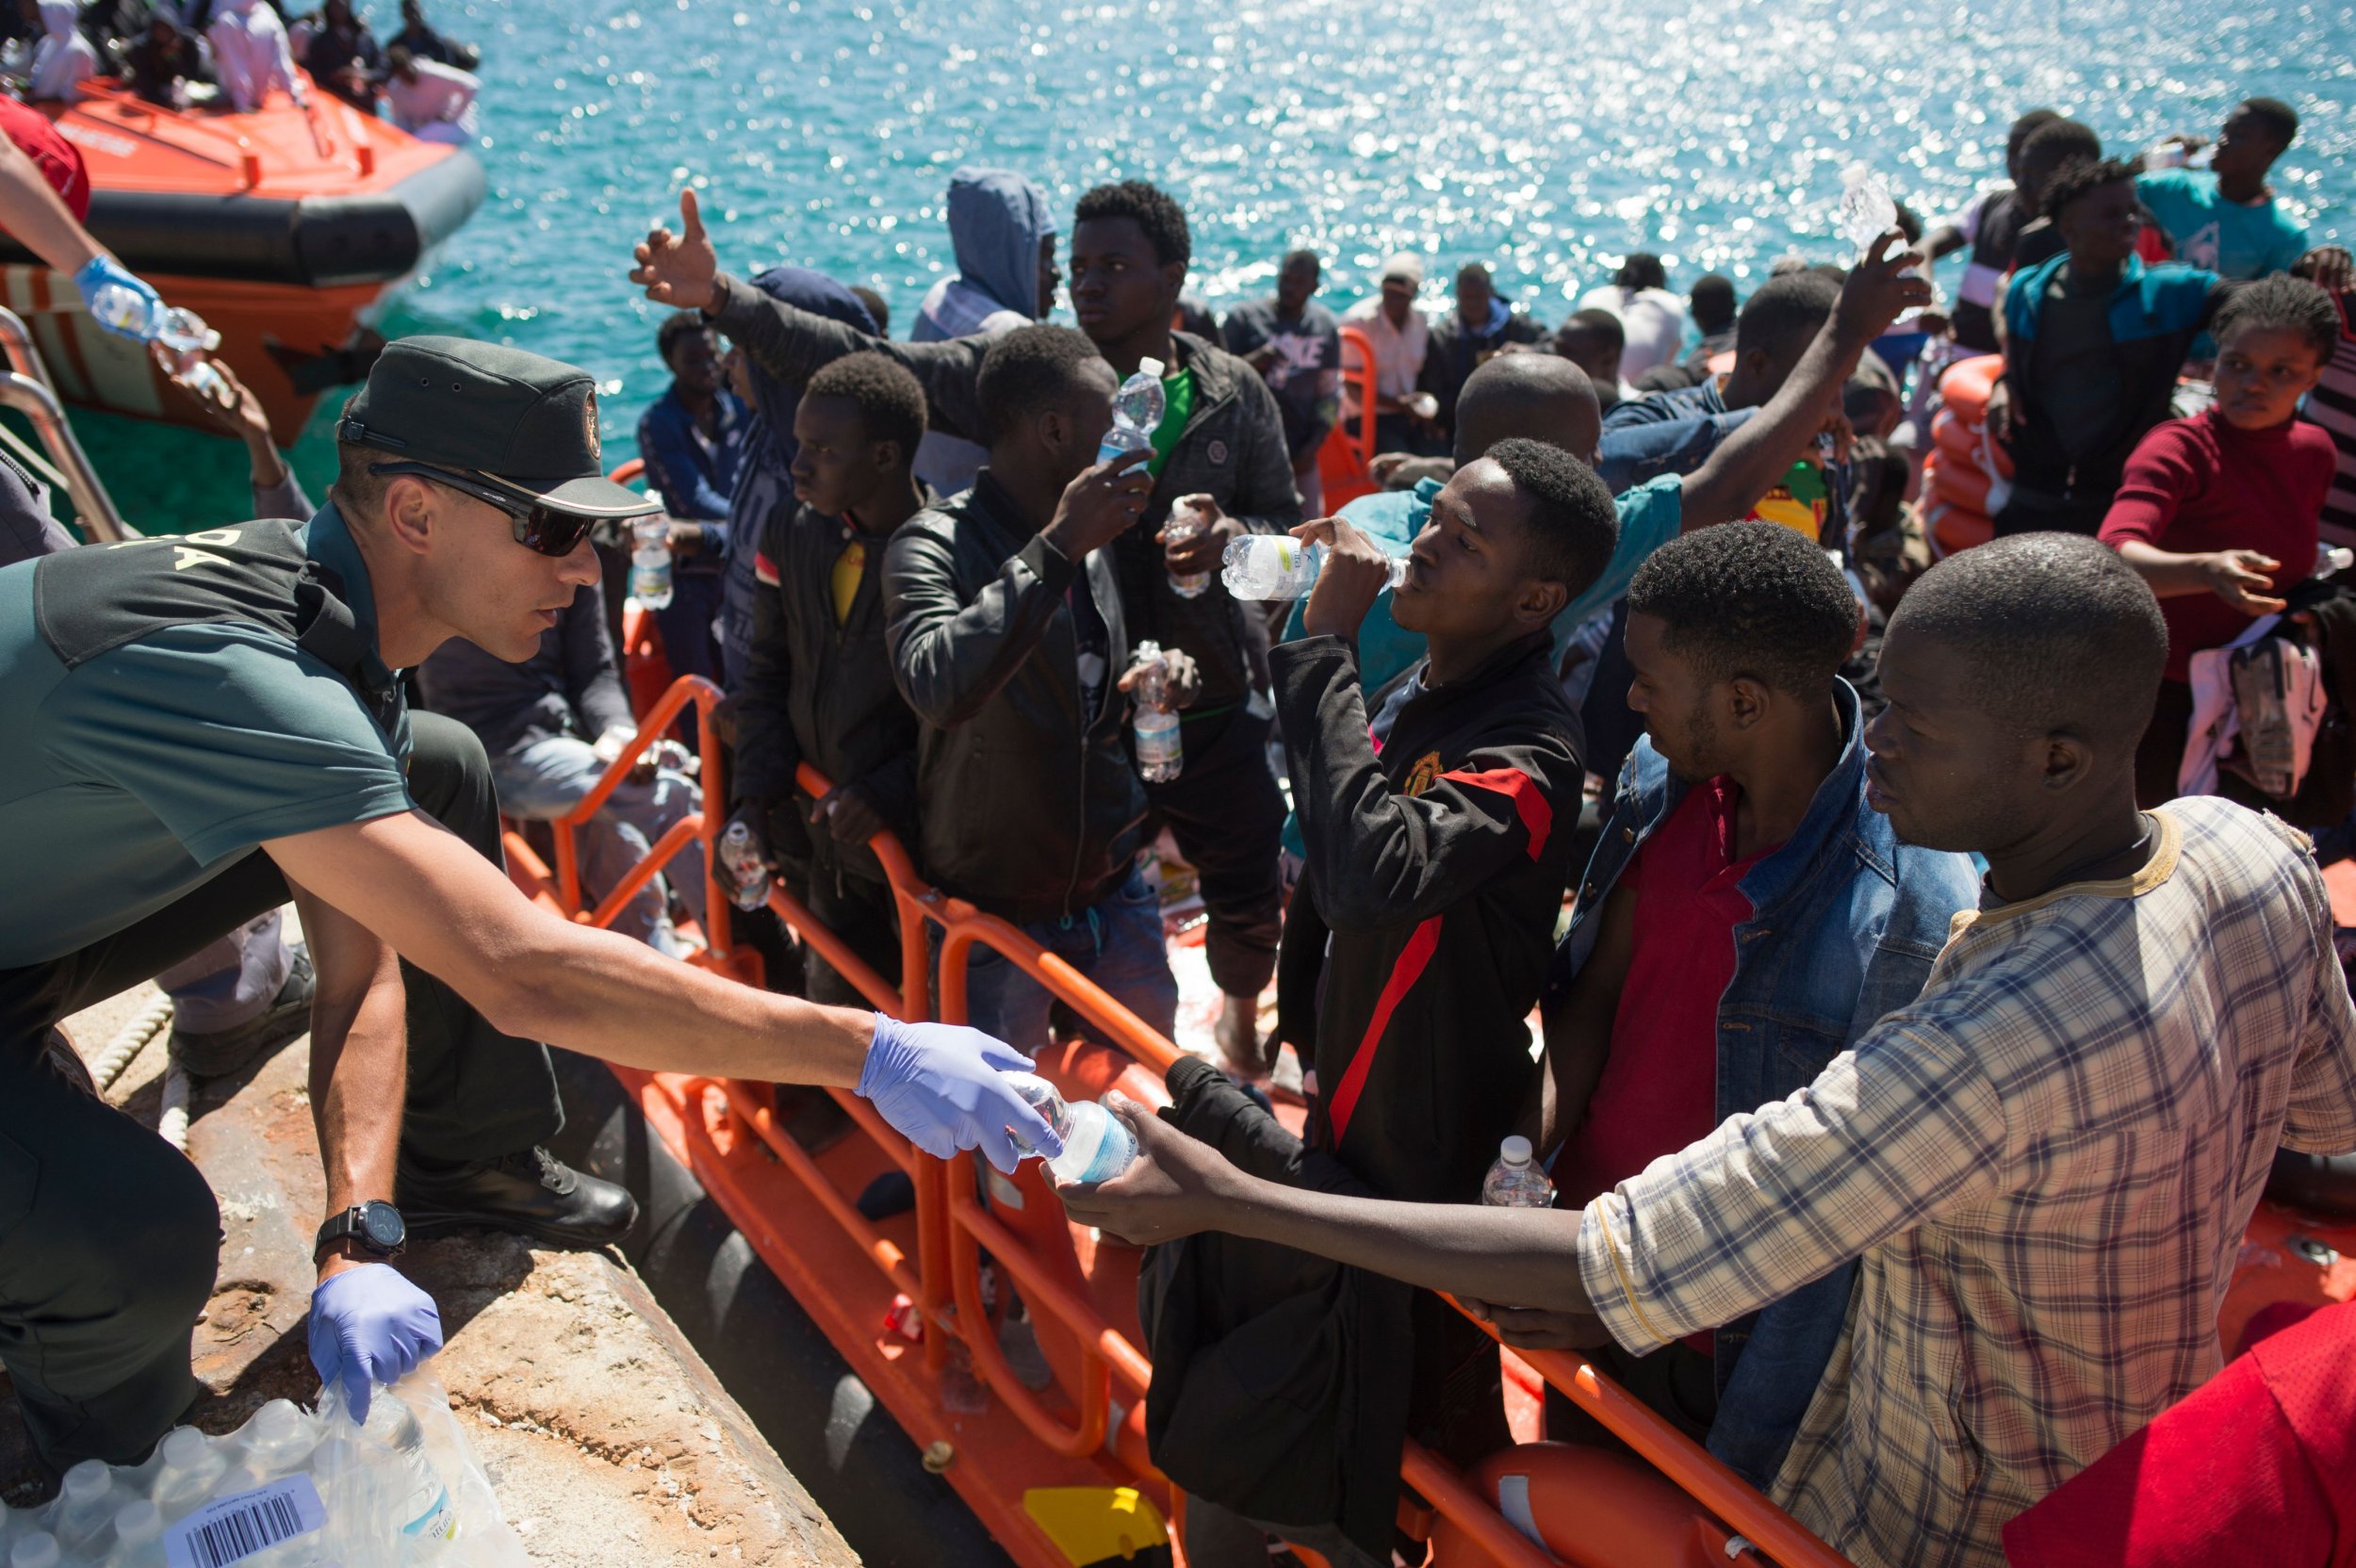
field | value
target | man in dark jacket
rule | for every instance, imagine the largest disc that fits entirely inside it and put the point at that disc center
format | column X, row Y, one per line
column 1463, row 340
column 1222, row 440
column 2093, row 342
column 1438, row 841
column 818, row 687
column 551, row 726
column 692, row 440
column 1008, row 637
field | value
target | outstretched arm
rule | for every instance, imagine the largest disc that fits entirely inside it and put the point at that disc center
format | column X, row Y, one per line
column 1747, row 464
column 1180, row 1186
column 429, row 896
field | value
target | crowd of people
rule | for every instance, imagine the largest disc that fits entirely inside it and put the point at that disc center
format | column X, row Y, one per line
column 1903, row 987
column 1929, row 965
column 236, row 53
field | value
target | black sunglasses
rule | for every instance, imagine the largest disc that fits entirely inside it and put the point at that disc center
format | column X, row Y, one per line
column 536, row 525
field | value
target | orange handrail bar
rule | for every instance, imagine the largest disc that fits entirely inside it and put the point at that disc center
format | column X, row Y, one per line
column 1364, row 379
column 687, row 689
column 1446, row 1490
column 1705, row 1478
column 881, row 1251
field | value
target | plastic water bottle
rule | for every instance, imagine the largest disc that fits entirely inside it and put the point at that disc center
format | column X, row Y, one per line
column 274, row 1443
column 139, row 1540
column 1097, row 1145
column 1867, row 211
column 1515, row 1182
column 741, row 870
column 191, row 1464
column 1278, row 567
column 85, row 1506
column 123, row 309
column 1185, row 523
column 181, row 345
column 650, row 563
column 1137, row 413
column 37, row 1549
column 416, row 1503
column 1160, row 753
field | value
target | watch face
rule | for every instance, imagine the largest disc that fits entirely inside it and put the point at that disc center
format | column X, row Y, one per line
column 381, row 1226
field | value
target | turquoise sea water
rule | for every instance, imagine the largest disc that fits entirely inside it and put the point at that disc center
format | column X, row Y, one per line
column 1548, row 139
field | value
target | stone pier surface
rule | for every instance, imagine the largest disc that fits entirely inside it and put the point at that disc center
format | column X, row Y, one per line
column 606, row 1437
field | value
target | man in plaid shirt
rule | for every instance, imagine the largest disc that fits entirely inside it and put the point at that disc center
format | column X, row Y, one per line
column 2043, row 1165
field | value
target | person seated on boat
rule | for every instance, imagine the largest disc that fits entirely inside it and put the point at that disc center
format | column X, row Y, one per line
column 2088, row 1094
column 1594, row 340
column 819, row 688
column 1395, row 326
column 424, row 43
column 343, row 56
column 1716, row 316
column 2221, row 513
column 692, row 439
column 1747, row 917
column 163, row 60
column 1219, row 448
column 1296, row 345
column 1466, row 337
column 431, row 102
column 1774, row 329
column 251, row 55
column 1002, row 234
column 2225, row 218
column 2093, row 342
column 1989, row 224
column 551, row 726
column 64, row 59
column 44, row 196
column 2259, row 1463
column 1008, row 638
column 205, row 723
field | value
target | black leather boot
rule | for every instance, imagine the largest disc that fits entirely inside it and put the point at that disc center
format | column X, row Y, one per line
column 531, row 1192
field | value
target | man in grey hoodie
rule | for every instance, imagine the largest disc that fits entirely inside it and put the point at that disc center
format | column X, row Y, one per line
column 1005, row 238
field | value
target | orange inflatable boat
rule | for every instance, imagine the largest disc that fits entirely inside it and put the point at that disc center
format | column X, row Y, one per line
column 285, row 229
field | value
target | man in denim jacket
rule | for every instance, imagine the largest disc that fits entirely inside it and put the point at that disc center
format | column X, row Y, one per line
column 1745, row 917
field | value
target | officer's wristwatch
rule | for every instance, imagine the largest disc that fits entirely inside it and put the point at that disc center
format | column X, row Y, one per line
column 376, row 1228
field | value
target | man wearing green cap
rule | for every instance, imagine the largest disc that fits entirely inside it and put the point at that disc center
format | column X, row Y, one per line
column 201, row 727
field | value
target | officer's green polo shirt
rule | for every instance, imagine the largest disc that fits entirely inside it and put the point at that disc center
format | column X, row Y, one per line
column 147, row 771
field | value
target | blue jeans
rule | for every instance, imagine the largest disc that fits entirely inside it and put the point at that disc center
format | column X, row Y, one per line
column 1117, row 943
column 550, row 778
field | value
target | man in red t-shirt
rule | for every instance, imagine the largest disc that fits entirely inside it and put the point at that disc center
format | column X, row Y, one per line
column 44, row 195
column 1747, row 914
column 2258, row 1467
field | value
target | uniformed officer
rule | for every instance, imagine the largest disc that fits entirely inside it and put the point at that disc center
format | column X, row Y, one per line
column 200, row 726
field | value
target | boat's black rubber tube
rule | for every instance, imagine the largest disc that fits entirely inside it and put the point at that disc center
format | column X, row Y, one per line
column 857, row 1462
column 318, row 242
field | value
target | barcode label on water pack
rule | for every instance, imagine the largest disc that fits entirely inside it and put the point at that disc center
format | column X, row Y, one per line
column 230, row 1529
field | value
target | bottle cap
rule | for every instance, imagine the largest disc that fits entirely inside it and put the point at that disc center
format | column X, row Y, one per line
column 1515, row 1149
column 138, row 1520
column 182, row 1447
column 1150, row 367
column 86, row 1480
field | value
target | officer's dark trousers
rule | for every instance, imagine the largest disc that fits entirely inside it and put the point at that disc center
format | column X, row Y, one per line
column 108, row 1237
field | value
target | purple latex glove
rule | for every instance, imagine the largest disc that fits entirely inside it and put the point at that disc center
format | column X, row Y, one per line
column 368, row 1326
column 944, row 1087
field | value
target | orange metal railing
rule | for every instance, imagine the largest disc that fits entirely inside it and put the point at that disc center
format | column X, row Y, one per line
column 953, row 1228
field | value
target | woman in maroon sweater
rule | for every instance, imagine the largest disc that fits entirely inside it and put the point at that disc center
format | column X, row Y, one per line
column 2220, row 513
